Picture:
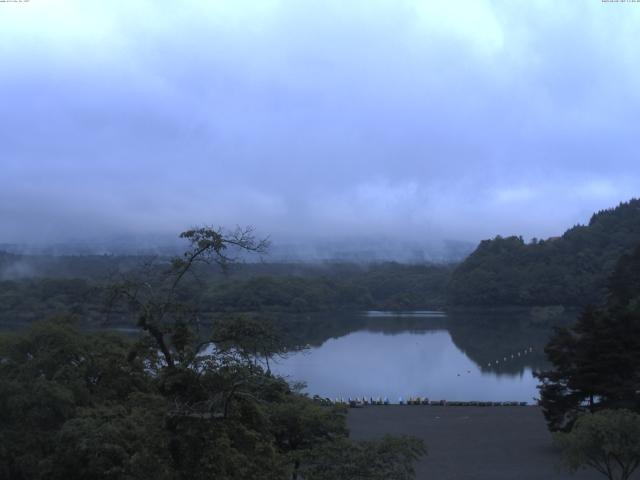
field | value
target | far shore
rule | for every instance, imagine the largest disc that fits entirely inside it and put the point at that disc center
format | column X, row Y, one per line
column 471, row 443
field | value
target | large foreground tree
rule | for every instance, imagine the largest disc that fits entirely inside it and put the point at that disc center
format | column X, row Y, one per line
column 607, row 441
column 179, row 402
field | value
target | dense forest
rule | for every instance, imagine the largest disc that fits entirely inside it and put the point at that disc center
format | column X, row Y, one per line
column 568, row 270
column 596, row 361
column 60, row 288
column 174, row 402
column 165, row 401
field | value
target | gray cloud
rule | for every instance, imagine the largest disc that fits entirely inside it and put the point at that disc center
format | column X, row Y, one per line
column 407, row 119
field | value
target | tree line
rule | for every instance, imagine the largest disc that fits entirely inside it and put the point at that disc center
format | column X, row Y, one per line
column 567, row 270
column 335, row 287
column 176, row 402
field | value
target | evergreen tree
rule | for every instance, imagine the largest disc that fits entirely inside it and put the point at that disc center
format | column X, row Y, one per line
column 597, row 361
column 567, row 270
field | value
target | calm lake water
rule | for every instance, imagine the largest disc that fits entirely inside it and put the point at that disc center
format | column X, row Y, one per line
column 473, row 355
column 484, row 355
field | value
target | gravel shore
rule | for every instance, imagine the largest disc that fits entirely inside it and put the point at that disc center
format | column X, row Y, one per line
column 471, row 443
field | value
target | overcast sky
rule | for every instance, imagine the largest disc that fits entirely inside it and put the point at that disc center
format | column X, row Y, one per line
column 328, row 118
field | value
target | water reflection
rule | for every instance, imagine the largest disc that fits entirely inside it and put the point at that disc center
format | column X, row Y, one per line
column 413, row 314
column 458, row 355
column 461, row 355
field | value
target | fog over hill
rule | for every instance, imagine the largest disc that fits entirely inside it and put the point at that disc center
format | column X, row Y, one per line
column 353, row 250
column 414, row 121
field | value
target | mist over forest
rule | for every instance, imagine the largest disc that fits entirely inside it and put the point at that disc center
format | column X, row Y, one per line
column 417, row 122
column 319, row 240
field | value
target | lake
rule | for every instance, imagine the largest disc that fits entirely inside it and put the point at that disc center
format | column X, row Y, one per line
column 478, row 355
column 461, row 355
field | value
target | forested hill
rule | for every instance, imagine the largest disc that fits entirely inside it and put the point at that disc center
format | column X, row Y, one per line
column 570, row 270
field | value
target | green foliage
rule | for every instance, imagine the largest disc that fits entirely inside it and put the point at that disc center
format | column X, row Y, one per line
column 568, row 270
column 72, row 406
column 607, row 441
column 51, row 379
column 119, row 441
column 255, row 338
column 29, row 299
column 246, row 288
column 389, row 458
column 624, row 284
column 386, row 286
column 174, row 404
column 597, row 361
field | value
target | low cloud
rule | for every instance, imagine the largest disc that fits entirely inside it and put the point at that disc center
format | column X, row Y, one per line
column 407, row 119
